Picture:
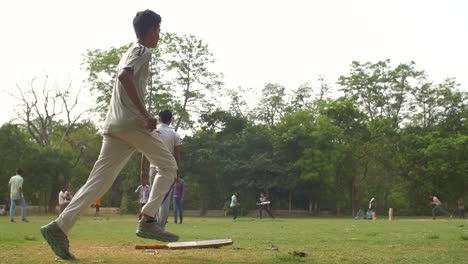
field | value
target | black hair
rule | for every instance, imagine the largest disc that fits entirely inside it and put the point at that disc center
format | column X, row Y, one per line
column 144, row 22
column 19, row 171
column 165, row 116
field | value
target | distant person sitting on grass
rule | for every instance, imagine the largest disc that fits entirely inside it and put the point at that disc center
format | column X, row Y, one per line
column 369, row 214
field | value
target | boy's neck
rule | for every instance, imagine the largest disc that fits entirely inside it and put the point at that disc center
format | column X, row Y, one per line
column 142, row 42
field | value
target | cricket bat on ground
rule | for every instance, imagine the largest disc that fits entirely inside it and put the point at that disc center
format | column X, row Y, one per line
column 215, row 243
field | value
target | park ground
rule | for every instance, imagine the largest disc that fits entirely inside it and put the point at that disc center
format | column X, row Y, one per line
column 111, row 239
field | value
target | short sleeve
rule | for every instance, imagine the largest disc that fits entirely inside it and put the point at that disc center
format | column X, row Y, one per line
column 136, row 58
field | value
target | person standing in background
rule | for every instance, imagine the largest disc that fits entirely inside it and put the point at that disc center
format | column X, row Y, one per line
column 179, row 194
column 461, row 208
column 97, row 205
column 264, row 205
column 61, row 199
column 15, row 186
column 143, row 191
column 234, row 206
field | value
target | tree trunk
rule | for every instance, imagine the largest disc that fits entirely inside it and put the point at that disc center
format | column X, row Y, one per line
column 337, row 192
column 204, row 198
column 52, row 203
column 290, row 202
column 355, row 194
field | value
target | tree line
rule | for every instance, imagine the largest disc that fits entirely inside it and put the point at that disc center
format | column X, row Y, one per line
column 382, row 130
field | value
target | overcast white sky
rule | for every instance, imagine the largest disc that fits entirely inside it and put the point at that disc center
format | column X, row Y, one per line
column 254, row 42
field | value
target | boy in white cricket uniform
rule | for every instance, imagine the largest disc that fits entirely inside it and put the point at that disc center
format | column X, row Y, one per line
column 127, row 128
column 172, row 141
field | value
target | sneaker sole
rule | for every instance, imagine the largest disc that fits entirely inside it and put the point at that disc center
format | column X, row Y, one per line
column 156, row 237
column 55, row 248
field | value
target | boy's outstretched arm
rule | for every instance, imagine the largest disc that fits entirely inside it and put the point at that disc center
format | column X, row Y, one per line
column 126, row 78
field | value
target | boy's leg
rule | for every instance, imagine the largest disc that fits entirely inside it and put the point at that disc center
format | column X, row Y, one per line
column 12, row 210
column 234, row 213
column 164, row 212
column 114, row 154
column 181, row 211
column 23, row 210
column 157, row 153
column 442, row 209
column 152, row 174
column 434, row 211
column 269, row 212
column 176, row 210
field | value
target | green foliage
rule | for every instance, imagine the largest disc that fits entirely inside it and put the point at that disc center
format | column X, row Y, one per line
column 101, row 65
column 180, row 77
column 393, row 135
column 130, row 204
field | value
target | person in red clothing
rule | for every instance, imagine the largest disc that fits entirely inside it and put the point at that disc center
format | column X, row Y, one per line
column 97, row 205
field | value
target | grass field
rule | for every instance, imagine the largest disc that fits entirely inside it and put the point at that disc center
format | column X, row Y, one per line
column 324, row 240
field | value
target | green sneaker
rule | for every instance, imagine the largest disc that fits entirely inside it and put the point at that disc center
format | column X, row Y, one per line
column 154, row 230
column 57, row 240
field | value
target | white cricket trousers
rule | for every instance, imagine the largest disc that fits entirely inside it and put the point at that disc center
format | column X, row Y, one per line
column 163, row 213
column 116, row 150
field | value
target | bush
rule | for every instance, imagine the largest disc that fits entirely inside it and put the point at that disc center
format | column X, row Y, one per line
column 129, row 205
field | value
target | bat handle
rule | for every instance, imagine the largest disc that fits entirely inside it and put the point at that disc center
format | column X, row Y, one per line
column 155, row 246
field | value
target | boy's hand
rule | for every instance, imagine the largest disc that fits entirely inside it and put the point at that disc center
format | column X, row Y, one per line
column 150, row 122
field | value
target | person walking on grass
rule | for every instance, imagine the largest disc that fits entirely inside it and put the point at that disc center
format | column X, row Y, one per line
column 127, row 128
column 234, row 206
column 173, row 142
column 437, row 206
column 15, row 187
